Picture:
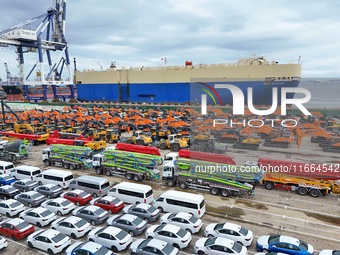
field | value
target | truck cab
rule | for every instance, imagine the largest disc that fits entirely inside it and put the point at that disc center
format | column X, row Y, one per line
column 169, row 173
column 170, row 157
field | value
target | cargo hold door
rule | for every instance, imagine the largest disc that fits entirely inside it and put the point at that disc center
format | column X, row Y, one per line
column 124, row 87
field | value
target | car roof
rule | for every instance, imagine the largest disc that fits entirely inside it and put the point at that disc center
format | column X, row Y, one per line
column 50, row 233
column 143, row 206
column 6, row 187
column 111, row 230
column 15, row 221
column 159, row 244
column 231, row 226
column 170, row 228
column 107, row 198
column 92, row 208
column 289, row 239
column 91, row 246
column 224, row 242
column 72, row 219
column 49, row 185
column 76, row 191
column 31, row 193
column 39, row 210
column 9, row 201
column 127, row 216
column 59, row 199
column 24, row 180
column 183, row 215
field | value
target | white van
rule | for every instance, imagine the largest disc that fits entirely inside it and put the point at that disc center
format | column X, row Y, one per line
column 54, row 176
column 132, row 193
column 25, row 172
column 6, row 167
column 178, row 201
column 96, row 186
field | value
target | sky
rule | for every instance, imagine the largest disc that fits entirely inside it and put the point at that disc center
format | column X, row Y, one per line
column 136, row 33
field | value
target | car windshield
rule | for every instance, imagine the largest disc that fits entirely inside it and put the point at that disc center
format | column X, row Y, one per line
column 99, row 211
column 23, row 225
column 149, row 193
column 66, row 202
column 46, row 213
column 168, row 249
column 58, row 238
column 15, row 204
column 219, row 226
column 83, row 194
column 336, row 252
column 137, row 221
column 303, row 245
column 237, row 247
column 121, row 235
column 115, row 201
column 36, row 195
column 181, row 232
column 193, row 219
column 70, row 177
column 151, row 209
column 101, row 251
column 273, row 239
column 243, row 231
column 80, row 223
column 210, row 241
column 55, row 188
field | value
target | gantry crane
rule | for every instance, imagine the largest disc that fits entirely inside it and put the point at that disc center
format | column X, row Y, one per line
column 45, row 41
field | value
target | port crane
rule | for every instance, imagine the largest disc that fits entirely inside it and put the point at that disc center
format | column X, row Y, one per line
column 44, row 37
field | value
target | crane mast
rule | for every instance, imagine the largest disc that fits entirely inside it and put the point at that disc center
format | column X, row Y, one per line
column 44, row 38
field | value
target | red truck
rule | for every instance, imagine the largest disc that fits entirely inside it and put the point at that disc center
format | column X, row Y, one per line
column 138, row 148
column 205, row 156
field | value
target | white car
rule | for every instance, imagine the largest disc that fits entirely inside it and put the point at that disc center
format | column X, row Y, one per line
column 88, row 248
column 11, row 207
column 219, row 246
column 3, row 243
column 187, row 221
column 49, row 240
column 72, row 226
column 60, row 205
column 171, row 234
column 39, row 216
column 329, row 252
column 230, row 231
column 152, row 246
column 111, row 237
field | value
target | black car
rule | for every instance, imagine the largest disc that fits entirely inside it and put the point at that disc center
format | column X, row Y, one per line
column 8, row 191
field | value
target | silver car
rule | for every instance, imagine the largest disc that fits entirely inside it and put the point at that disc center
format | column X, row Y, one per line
column 145, row 211
column 132, row 224
column 49, row 190
column 25, row 185
column 30, row 198
column 91, row 213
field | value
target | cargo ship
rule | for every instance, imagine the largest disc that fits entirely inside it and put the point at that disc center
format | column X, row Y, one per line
column 186, row 83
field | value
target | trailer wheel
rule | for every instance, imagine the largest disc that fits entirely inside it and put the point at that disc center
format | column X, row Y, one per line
column 66, row 166
column 136, row 177
column 214, row 191
column 170, row 183
column 99, row 171
column 302, row 191
column 183, row 185
column 14, row 157
column 268, row 185
column 314, row 193
column 225, row 193
column 72, row 167
column 108, row 173
column 47, row 162
column 140, row 142
column 129, row 176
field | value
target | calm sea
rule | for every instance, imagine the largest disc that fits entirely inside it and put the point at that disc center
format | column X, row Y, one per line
column 325, row 93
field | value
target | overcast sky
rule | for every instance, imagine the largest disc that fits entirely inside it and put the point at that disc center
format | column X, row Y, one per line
column 142, row 32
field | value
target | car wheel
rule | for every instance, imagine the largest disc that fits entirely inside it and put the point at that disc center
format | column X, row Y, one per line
column 189, row 230
column 5, row 198
column 264, row 250
column 77, row 203
column 48, row 196
column 24, row 190
column 109, row 211
column 73, row 236
column 175, row 245
column 30, row 245
column 200, row 253
column 147, row 220
column 131, row 233
column 94, row 195
column 160, row 209
column 14, row 238
column 210, row 236
column 49, row 251
column 114, row 248
column 38, row 224
column 59, row 213
column 40, row 183
column 93, row 223
column 91, row 240
column 53, row 228
column 150, row 237
column 8, row 215
column 30, row 205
